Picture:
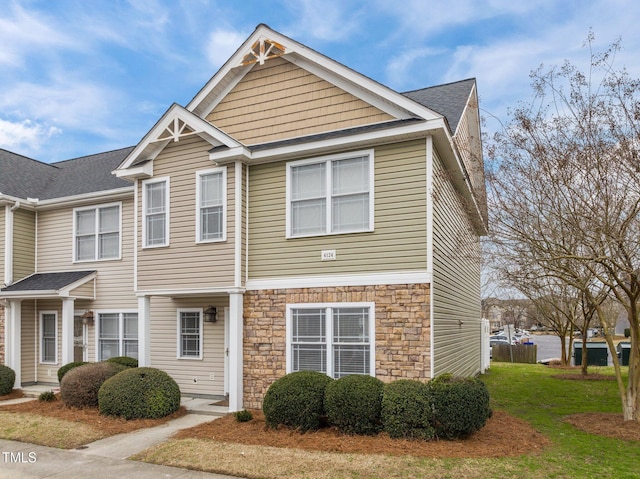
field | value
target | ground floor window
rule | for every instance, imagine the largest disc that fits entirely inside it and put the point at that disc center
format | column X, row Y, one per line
column 117, row 335
column 190, row 333
column 336, row 339
column 48, row 337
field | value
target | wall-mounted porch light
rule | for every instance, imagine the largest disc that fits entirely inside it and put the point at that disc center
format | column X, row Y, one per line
column 210, row 314
column 87, row 317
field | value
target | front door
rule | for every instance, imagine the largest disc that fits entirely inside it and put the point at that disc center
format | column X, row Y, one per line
column 79, row 339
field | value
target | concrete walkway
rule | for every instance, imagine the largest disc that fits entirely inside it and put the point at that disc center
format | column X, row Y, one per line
column 106, row 458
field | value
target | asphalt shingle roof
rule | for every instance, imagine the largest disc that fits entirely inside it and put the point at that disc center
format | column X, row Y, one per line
column 47, row 281
column 449, row 100
column 24, row 177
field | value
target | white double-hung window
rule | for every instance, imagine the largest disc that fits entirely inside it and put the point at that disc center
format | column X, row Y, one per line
column 155, row 207
column 48, row 337
column 211, row 205
column 336, row 339
column 190, row 333
column 97, row 232
column 330, row 195
column 117, row 335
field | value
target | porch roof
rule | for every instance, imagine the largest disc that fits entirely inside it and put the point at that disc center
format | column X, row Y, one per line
column 48, row 285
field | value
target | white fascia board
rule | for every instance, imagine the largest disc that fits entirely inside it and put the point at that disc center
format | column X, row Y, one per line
column 190, row 292
column 232, row 154
column 142, row 171
column 43, row 294
column 403, row 133
column 28, row 204
column 369, row 279
column 107, row 195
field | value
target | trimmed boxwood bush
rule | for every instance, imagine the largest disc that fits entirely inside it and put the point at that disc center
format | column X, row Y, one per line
column 353, row 404
column 406, row 410
column 139, row 393
column 68, row 367
column 296, row 400
column 125, row 361
column 7, row 379
column 460, row 405
column 80, row 386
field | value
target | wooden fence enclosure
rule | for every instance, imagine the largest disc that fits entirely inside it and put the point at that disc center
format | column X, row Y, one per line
column 518, row 353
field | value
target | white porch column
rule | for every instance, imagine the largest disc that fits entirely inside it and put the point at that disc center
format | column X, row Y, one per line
column 12, row 334
column 236, row 325
column 67, row 330
column 144, row 331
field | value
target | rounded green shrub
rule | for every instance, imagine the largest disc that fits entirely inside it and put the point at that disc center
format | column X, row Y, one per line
column 406, row 410
column 354, row 404
column 139, row 393
column 7, row 379
column 80, row 386
column 296, row 400
column 68, row 367
column 460, row 406
column 125, row 361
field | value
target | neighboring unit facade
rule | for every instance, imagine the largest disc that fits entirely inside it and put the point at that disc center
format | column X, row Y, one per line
column 330, row 222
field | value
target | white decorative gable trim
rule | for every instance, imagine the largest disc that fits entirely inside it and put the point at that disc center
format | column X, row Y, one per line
column 177, row 123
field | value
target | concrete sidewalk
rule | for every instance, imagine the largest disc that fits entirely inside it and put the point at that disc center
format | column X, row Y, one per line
column 106, row 458
column 28, row 461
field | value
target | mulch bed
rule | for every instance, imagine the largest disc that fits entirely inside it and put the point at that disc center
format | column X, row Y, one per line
column 503, row 435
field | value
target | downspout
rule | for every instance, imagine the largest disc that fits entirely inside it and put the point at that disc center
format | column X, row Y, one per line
column 8, row 242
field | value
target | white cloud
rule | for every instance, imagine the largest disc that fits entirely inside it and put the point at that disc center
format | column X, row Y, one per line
column 23, row 32
column 329, row 20
column 400, row 67
column 25, row 135
column 222, row 43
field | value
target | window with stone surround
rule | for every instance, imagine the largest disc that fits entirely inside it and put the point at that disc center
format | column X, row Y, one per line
column 330, row 195
column 336, row 339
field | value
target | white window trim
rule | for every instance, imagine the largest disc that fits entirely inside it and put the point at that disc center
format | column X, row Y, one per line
column 97, row 234
column 328, row 159
column 179, row 333
column 55, row 314
column 199, row 174
column 329, row 332
column 120, row 313
column 167, row 213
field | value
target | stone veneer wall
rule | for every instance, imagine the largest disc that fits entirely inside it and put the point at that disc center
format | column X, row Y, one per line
column 402, row 331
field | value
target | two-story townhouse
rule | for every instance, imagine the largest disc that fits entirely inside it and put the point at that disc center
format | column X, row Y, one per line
column 294, row 215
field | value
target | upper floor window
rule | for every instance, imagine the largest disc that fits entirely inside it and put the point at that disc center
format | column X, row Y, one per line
column 97, row 233
column 155, row 206
column 330, row 195
column 211, row 205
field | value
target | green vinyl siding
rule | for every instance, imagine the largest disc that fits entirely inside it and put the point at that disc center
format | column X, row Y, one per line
column 456, row 281
column 397, row 243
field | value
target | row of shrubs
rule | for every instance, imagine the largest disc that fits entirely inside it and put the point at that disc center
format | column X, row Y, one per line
column 446, row 407
column 118, row 387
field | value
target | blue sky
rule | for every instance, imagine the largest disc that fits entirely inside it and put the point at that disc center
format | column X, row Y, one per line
column 82, row 77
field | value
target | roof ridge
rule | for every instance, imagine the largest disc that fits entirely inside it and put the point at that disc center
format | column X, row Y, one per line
column 93, row 154
column 13, row 153
column 440, row 85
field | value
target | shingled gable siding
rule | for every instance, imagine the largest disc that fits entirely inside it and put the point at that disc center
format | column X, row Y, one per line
column 456, row 281
column 24, row 234
column 184, row 264
column 280, row 100
column 402, row 331
column 397, row 243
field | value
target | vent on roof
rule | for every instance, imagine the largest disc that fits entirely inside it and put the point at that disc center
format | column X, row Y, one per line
column 261, row 51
